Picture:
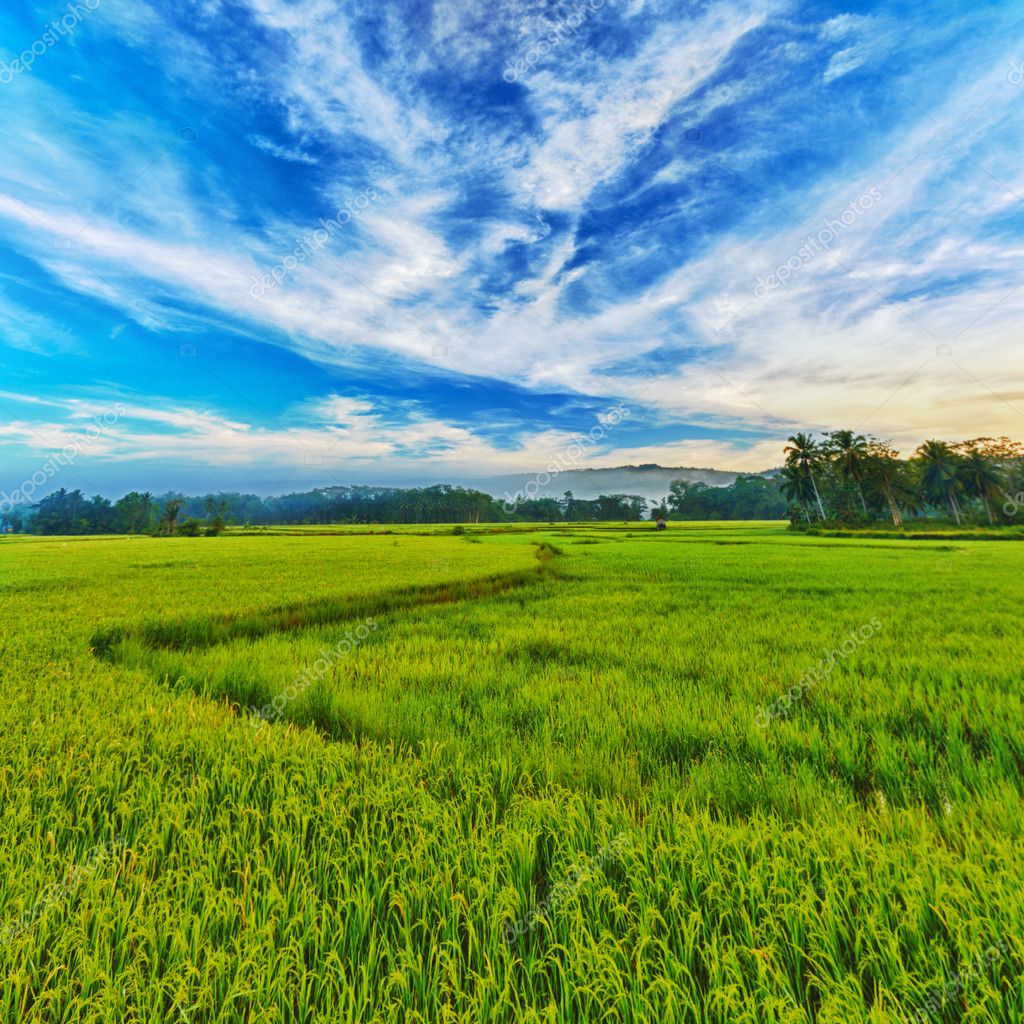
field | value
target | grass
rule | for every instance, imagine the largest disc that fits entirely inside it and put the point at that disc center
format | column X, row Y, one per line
column 527, row 699
column 921, row 531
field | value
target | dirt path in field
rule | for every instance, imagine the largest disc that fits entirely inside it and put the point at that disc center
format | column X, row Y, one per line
column 208, row 631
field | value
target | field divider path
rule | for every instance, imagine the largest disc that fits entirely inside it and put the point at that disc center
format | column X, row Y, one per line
column 199, row 632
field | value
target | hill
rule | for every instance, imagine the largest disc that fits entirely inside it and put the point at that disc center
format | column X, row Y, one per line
column 649, row 480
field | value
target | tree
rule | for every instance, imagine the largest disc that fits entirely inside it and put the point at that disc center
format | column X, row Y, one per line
column 939, row 464
column 751, row 497
column 888, row 476
column 849, row 451
column 538, row 510
column 134, row 512
column 171, row 510
column 191, row 527
column 989, row 467
column 978, row 475
column 626, row 507
column 98, row 516
column 1008, row 458
column 12, row 522
column 804, row 453
column 690, row 499
column 747, row 497
column 797, row 487
column 59, row 513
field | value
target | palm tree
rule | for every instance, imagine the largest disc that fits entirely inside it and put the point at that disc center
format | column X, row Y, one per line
column 939, row 474
column 1008, row 459
column 796, row 486
column 850, row 451
column 977, row 475
column 887, row 475
column 803, row 453
column 171, row 510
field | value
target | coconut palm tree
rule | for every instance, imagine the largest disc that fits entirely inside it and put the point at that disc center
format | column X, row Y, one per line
column 796, row 486
column 804, row 453
column 939, row 464
column 850, row 451
column 978, row 476
column 884, row 472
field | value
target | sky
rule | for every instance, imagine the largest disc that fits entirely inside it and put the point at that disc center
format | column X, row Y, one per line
column 266, row 245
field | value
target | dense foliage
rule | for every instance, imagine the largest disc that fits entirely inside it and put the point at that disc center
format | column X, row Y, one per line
column 852, row 479
column 67, row 513
column 749, row 497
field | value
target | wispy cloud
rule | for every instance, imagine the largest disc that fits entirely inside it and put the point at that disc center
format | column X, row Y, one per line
column 597, row 227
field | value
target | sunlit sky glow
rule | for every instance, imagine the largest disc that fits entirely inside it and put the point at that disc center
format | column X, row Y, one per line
column 539, row 211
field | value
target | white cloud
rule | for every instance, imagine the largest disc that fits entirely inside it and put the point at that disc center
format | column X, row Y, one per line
column 281, row 152
column 843, row 62
column 863, row 38
column 838, row 342
column 594, row 126
column 337, row 433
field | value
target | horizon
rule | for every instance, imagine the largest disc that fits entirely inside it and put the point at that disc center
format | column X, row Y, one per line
column 477, row 483
column 420, row 243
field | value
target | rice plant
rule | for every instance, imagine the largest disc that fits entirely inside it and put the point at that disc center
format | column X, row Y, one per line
column 529, row 700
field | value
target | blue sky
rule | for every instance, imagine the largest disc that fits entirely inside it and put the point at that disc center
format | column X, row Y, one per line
column 274, row 244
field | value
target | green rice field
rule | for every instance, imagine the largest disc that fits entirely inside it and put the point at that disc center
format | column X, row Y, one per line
column 722, row 773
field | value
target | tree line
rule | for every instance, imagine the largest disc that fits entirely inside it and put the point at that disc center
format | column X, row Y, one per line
column 70, row 512
column 848, row 478
column 747, row 497
column 67, row 512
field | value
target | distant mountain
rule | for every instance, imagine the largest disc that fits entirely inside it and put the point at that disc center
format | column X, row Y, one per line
column 650, row 481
